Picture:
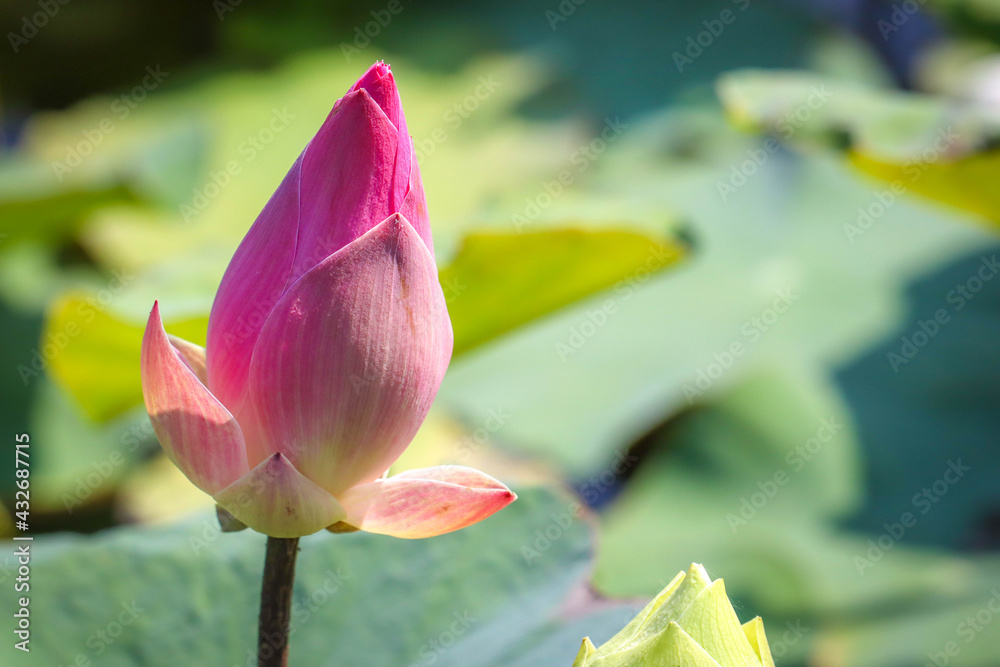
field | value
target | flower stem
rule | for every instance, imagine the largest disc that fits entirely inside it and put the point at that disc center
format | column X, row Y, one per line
column 276, row 601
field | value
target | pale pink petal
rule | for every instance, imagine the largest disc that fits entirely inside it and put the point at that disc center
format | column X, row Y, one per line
column 351, row 358
column 252, row 284
column 192, row 355
column 347, row 179
column 425, row 503
column 195, row 429
column 276, row 499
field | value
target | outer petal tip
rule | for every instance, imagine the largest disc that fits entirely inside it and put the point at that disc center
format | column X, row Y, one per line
column 276, row 499
column 194, row 428
column 425, row 503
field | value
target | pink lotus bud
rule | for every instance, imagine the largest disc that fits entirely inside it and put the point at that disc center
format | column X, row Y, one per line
column 327, row 342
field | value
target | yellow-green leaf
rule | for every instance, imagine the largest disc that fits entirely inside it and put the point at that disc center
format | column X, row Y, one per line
column 499, row 281
column 914, row 143
column 95, row 355
column 967, row 183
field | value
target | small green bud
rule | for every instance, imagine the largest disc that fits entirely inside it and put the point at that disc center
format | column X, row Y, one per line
column 691, row 623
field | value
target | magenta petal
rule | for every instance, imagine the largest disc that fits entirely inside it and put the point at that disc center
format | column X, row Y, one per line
column 276, row 499
column 195, row 429
column 425, row 503
column 414, row 207
column 252, row 284
column 407, row 189
column 347, row 179
column 381, row 85
column 351, row 358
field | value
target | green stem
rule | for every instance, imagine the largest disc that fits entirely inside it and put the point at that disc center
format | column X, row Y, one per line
column 276, row 601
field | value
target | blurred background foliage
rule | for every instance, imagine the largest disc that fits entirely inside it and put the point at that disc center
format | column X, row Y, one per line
column 721, row 281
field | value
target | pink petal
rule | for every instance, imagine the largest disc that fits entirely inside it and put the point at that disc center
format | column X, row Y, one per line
column 252, row 284
column 347, row 179
column 381, row 85
column 424, row 503
column 351, row 358
column 414, row 207
column 192, row 355
column 276, row 499
column 195, row 429
column 408, row 190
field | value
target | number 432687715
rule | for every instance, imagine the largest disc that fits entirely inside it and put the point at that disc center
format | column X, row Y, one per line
column 21, row 472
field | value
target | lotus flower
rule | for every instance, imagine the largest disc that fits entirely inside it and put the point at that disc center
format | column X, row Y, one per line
column 690, row 623
column 327, row 342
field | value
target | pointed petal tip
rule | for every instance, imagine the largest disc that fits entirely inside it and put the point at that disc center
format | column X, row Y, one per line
column 398, row 224
column 426, row 503
column 379, row 70
column 379, row 84
column 194, row 429
column 276, row 499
